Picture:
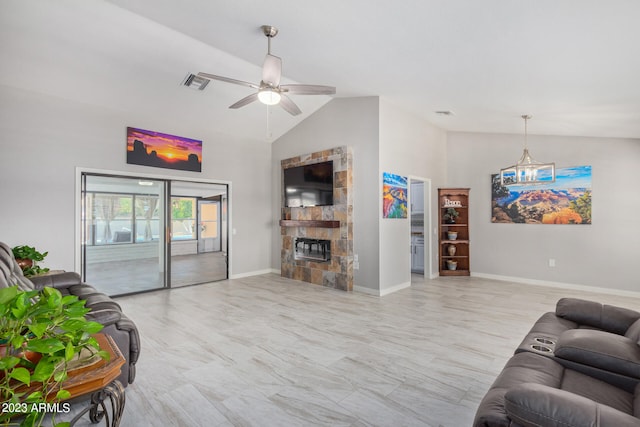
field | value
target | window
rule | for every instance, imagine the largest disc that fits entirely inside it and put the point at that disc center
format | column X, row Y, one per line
column 111, row 218
column 183, row 218
column 147, row 220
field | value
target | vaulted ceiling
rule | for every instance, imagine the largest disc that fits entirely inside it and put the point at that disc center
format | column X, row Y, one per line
column 572, row 64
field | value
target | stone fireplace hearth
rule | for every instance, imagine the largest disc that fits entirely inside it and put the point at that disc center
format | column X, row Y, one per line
column 329, row 263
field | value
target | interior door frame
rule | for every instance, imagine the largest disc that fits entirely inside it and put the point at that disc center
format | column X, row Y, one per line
column 428, row 234
column 119, row 173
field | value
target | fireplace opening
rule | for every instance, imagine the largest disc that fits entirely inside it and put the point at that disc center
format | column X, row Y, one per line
column 312, row 249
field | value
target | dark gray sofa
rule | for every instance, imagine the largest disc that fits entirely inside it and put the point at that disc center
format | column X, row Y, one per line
column 103, row 309
column 577, row 366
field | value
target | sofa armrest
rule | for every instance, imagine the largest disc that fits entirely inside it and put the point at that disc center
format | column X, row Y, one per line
column 599, row 349
column 58, row 280
column 601, row 316
column 535, row 405
column 105, row 317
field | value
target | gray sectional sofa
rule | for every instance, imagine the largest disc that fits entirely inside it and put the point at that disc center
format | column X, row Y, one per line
column 577, row 366
column 103, row 309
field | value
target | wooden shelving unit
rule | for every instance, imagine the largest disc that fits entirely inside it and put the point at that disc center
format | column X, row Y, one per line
column 458, row 199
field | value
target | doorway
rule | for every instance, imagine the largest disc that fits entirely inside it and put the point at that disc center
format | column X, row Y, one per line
column 145, row 233
column 420, row 214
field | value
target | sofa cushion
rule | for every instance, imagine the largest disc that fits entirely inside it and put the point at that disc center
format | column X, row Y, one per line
column 601, row 316
column 599, row 349
column 534, row 405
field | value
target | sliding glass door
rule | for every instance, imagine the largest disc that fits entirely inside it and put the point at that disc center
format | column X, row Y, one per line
column 141, row 234
column 198, row 244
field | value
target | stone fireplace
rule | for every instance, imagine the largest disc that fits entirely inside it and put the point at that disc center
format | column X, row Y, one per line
column 318, row 250
column 317, row 242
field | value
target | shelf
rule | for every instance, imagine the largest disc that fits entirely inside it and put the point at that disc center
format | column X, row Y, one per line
column 309, row 223
column 454, row 272
column 458, row 199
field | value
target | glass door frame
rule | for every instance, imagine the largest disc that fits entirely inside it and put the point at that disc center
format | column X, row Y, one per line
column 79, row 246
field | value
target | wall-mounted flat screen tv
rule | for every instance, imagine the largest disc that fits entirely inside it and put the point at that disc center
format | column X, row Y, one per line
column 309, row 185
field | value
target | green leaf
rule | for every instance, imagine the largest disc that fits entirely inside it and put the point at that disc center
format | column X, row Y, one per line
column 72, row 325
column 63, row 394
column 93, row 327
column 45, row 345
column 54, row 299
column 17, row 341
column 105, row 355
column 60, row 376
column 39, row 328
column 8, row 294
column 21, row 374
column 36, row 396
column 44, row 370
column 63, row 424
column 69, row 352
column 68, row 299
column 8, row 362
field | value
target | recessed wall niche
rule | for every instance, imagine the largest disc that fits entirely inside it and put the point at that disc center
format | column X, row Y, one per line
column 333, row 223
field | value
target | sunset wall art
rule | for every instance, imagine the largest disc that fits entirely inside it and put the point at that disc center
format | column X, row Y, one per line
column 394, row 196
column 566, row 201
column 149, row 148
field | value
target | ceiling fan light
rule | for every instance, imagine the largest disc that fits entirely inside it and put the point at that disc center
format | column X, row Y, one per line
column 269, row 97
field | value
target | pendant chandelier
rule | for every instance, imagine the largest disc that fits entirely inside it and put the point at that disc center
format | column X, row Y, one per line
column 527, row 170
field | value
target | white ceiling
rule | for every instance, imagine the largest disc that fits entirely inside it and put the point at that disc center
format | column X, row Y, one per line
column 573, row 65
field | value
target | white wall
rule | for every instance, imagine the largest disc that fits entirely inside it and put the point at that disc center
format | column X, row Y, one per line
column 604, row 254
column 383, row 139
column 44, row 138
column 343, row 121
column 409, row 146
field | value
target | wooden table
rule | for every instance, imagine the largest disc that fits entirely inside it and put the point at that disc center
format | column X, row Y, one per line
column 99, row 379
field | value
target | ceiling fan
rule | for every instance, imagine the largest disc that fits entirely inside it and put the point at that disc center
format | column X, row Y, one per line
column 270, row 91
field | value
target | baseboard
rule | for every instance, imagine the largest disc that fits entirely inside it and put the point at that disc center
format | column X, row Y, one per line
column 251, row 273
column 561, row 285
column 364, row 290
column 383, row 292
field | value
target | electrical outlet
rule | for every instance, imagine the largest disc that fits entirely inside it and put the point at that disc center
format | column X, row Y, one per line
column 355, row 257
column 356, row 265
column 552, row 262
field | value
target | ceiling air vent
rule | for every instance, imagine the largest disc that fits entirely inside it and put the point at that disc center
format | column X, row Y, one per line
column 194, row 82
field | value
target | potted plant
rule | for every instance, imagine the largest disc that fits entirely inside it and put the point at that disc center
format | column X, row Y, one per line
column 27, row 258
column 450, row 215
column 42, row 333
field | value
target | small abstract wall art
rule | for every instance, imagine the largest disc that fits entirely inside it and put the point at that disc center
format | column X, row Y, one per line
column 566, row 201
column 394, row 196
column 160, row 150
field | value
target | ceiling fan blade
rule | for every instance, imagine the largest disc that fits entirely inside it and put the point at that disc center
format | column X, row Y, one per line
column 244, row 101
column 289, row 106
column 228, row 80
column 271, row 70
column 308, row 89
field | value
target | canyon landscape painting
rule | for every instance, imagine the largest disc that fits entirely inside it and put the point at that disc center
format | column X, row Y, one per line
column 566, row 201
column 160, row 150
